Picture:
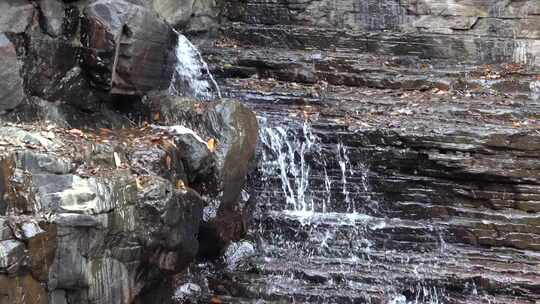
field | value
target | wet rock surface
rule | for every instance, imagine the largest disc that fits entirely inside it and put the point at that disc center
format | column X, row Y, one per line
column 12, row 85
column 406, row 193
column 398, row 154
column 232, row 131
column 129, row 48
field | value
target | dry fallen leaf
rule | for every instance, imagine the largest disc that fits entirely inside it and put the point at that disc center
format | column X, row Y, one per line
column 138, row 182
column 180, row 184
column 215, row 300
column 211, row 144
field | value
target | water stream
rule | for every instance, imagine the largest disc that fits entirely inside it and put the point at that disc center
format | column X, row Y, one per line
column 319, row 231
column 192, row 76
column 318, row 226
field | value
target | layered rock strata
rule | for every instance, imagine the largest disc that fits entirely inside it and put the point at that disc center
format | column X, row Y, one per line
column 422, row 118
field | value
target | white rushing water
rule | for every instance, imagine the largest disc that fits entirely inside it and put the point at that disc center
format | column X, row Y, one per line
column 285, row 155
column 535, row 90
column 321, row 194
column 192, row 76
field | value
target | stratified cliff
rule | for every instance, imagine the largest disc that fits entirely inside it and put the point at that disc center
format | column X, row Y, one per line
column 407, row 135
column 109, row 187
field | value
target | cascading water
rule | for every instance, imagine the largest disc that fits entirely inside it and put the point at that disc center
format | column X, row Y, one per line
column 318, row 226
column 317, row 223
column 535, row 90
column 192, row 76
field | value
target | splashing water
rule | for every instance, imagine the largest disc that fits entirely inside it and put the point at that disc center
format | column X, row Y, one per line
column 321, row 216
column 535, row 90
column 344, row 162
column 287, row 156
column 192, row 76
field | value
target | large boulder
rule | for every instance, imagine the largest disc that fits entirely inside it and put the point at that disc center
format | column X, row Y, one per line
column 129, row 49
column 231, row 128
column 52, row 69
column 174, row 11
column 53, row 13
column 85, row 225
column 16, row 15
column 11, row 82
column 191, row 15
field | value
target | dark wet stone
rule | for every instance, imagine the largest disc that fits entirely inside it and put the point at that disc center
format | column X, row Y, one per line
column 11, row 84
column 16, row 15
column 129, row 50
column 12, row 256
column 52, row 14
column 233, row 129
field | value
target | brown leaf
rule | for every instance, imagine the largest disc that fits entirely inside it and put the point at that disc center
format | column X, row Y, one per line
column 180, row 184
column 211, row 144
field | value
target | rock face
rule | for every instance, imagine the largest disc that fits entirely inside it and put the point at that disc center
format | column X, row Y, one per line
column 130, row 50
column 232, row 129
column 88, row 55
column 11, row 87
column 96, row 204
column 17, row 15
column 502, row 30
column 398, row 150
column 105, row 216
column 190, row 15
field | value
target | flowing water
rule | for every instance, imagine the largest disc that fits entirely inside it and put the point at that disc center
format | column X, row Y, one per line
column 192, row 76
column 320, row 232
column 318, row 228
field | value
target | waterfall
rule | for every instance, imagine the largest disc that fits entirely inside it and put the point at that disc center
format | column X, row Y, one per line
column 285, row 155
column 192, row 76
column 317, row 212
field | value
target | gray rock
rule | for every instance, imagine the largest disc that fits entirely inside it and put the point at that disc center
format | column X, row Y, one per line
column 182, row 218
column 11, row 255
column 535, row 90
column 109, row 282
column 16, row 16
column 75, row 220
column 11, row 82
column 5, row 230
column 25, row 228
column 175, row 12
column 52, row 69
column 198, row 159
column 205, row 16
column 57, row 297
column 129, row 50
column 53, row 13
column 42, row 163
column 235, row 128
column 238, row 252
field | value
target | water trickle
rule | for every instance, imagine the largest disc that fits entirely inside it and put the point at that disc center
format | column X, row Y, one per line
column 192, row 76
column 535, row 90
column 344, row 165
column 285, row 155
column 318, row 225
